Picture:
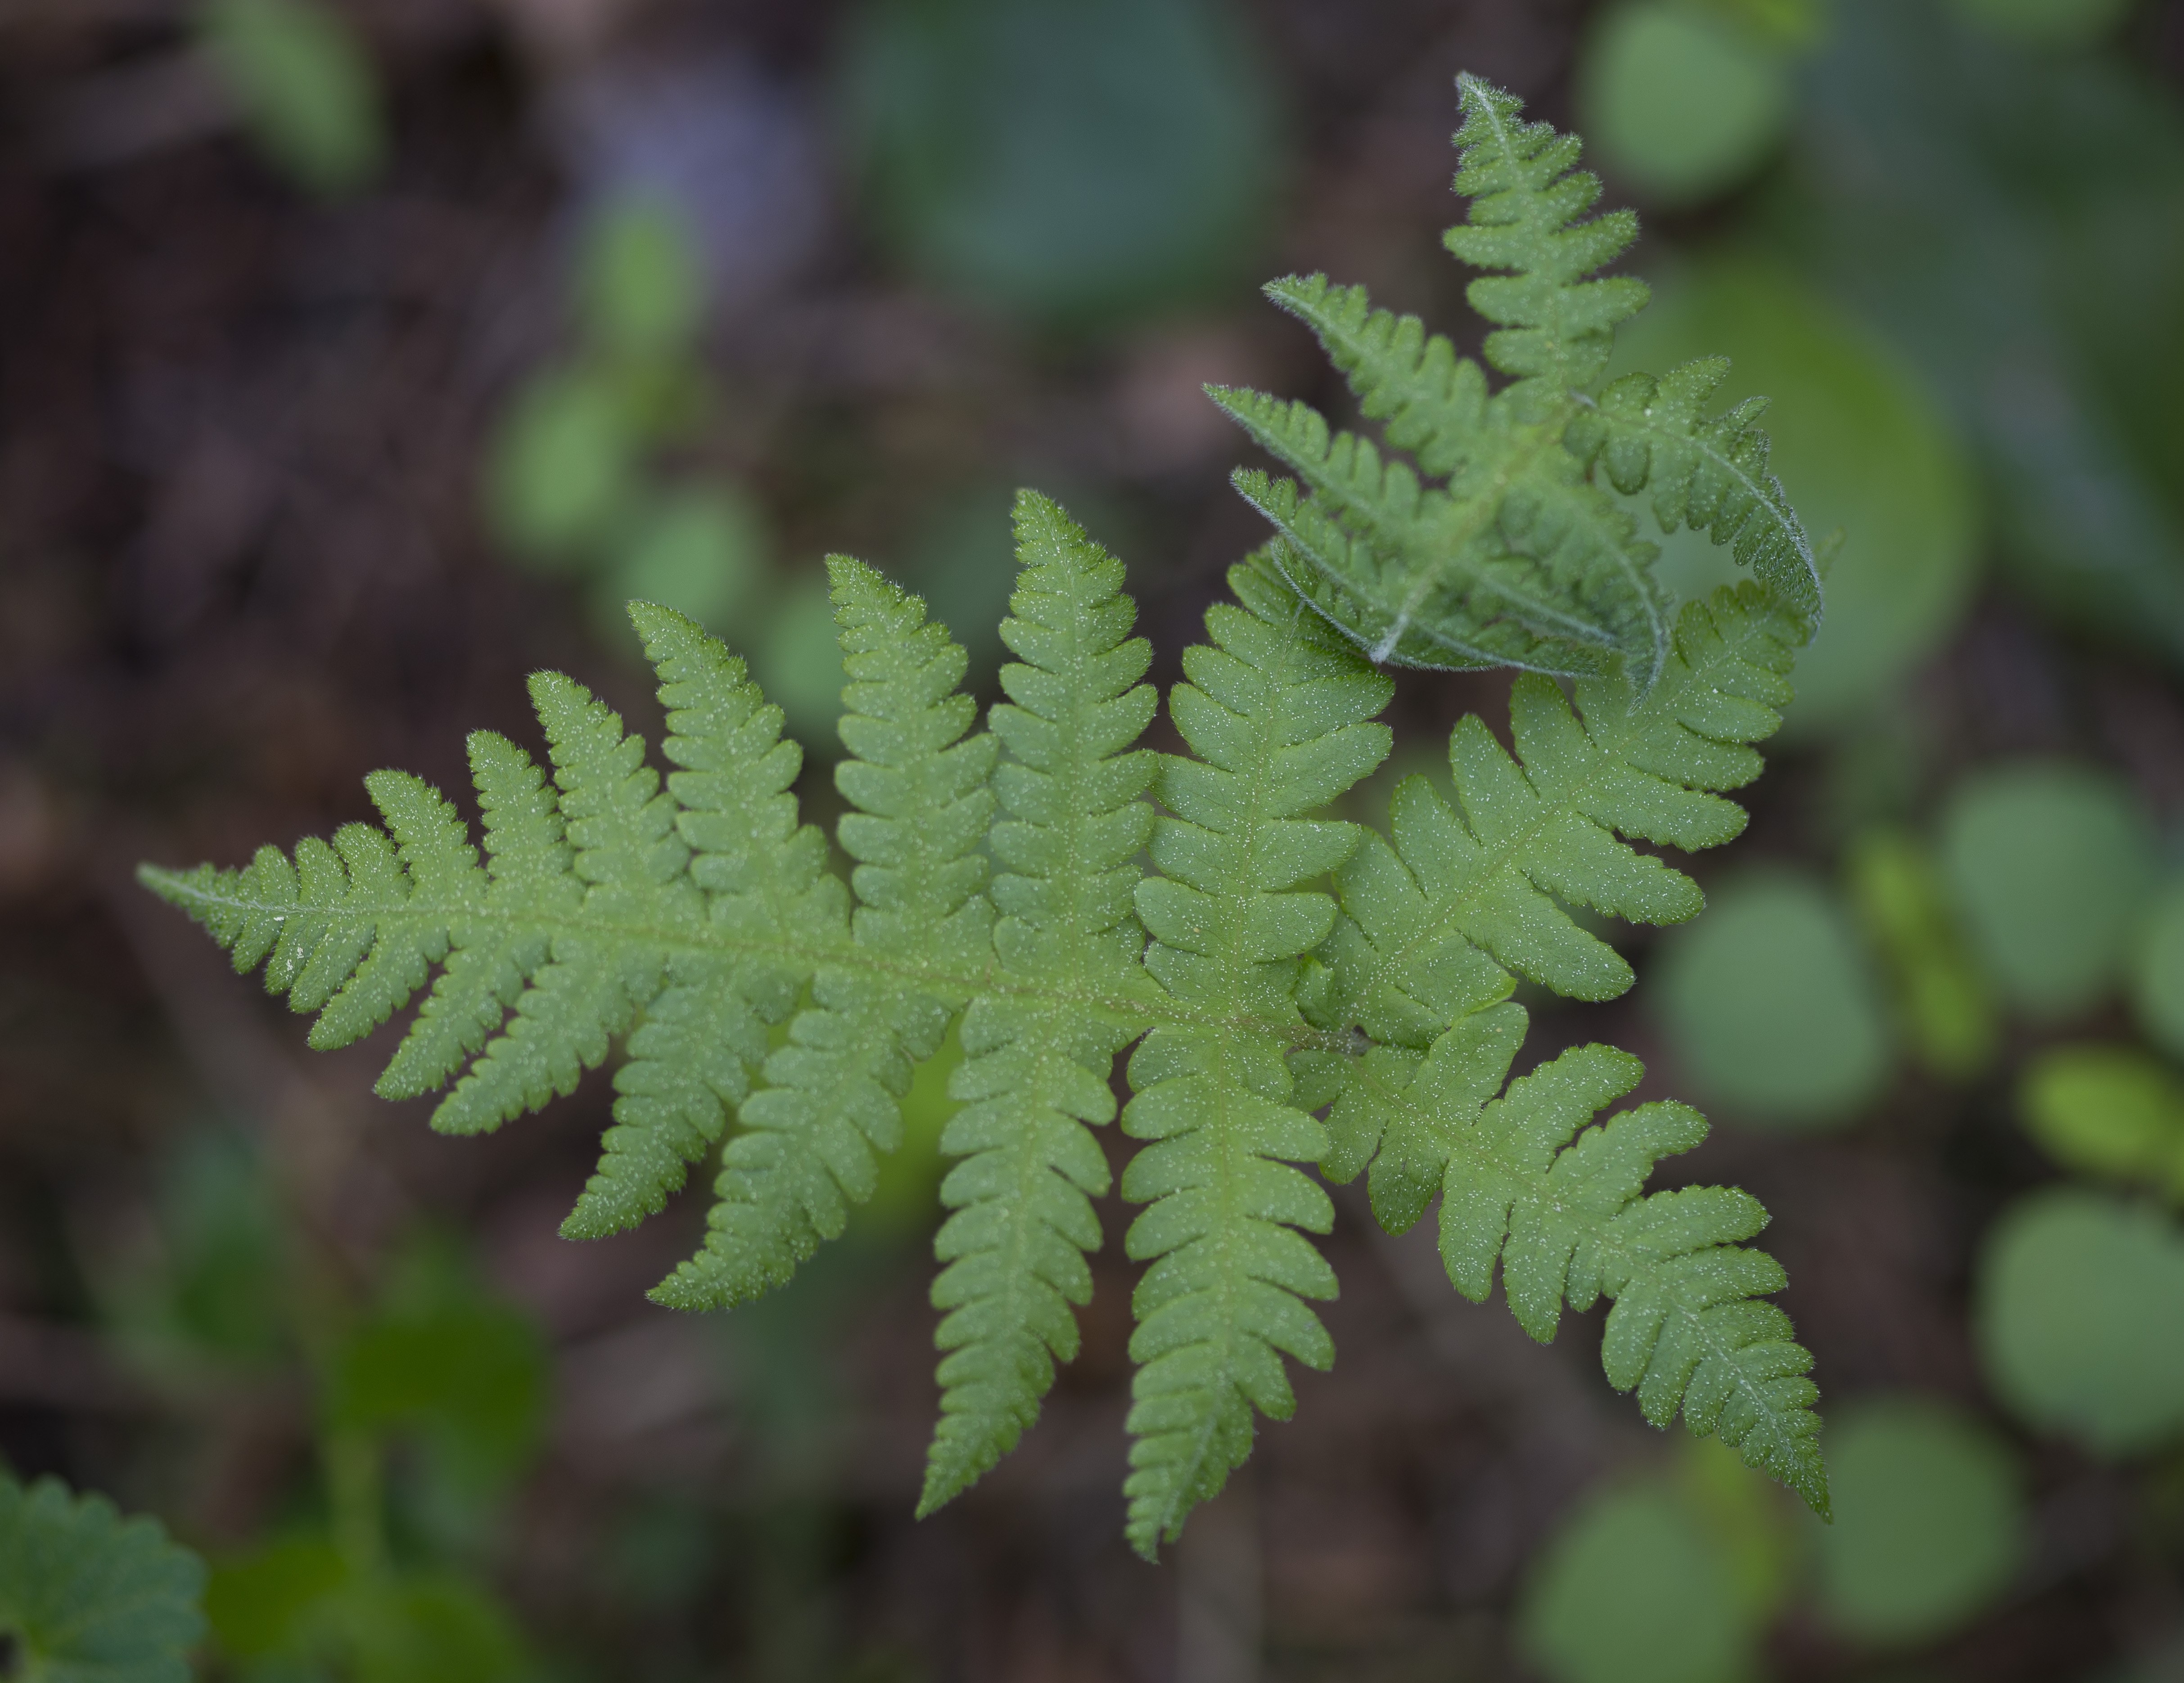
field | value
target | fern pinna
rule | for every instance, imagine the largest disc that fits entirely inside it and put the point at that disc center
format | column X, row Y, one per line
column 1300, row 992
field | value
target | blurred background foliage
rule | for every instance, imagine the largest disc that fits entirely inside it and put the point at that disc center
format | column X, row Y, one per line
column 358, row 356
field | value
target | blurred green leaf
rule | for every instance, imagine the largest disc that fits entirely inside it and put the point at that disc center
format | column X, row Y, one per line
column 640, row 292
column 1633, row 1589
column 1929, row 1525
column 428, row 1628
column 2158, row 972
column 1743, row 1511
column 561, row 468
column 2028, row 268
column 1793, row 24
column 2046, row 23
column 1944, row 1006
column 265, row 1603
column 305, row 86
column 216, row 1287
column 2048, row 864
column 88, row 1596
column 440, row 1358
column 798, row 662
column 1681, row 102
column 700, row 550
column 1769, row 1006
column 1859, row 447
column 1066, row 164
column 2080, row 1317
column 2110, row 1111
column 297, row 1601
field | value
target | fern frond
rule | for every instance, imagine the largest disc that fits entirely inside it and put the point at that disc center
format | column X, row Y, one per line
column 1276, row 711
column 920, row 804
column 1563, row 1214
column 1040, row 1042
column 696, row 924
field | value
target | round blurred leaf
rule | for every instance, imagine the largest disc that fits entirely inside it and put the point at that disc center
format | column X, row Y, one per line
column 216, row 1286
column 1064, row 162
column 560, row 467
column 639, row 289
column 1681, row 102
column 2046, row 23
column 2158, row 974
column 429, row 1627
column 698, row 551
column 441, row 1358
column 2080, row 1317
column 2049, row 864
column 798, row 662
column 1770, row 1006
column 1859, row 448
column 304, row 85
column 2107, row 1110
column 1634, row 1590
column 266, row 1601
column 1929, row 1522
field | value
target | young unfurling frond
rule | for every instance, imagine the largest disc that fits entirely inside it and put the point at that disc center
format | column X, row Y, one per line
column 1500, row 548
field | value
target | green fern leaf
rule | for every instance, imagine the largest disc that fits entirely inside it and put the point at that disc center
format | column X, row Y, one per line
column 1041, row 1041
column 87, row 1596
column 921, row 805
column 1276, row 711
column 1561, row 1213
column 696, row 925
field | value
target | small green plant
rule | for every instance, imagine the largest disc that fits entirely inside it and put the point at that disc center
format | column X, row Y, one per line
column 303, row 86
column 574, row 484
column 1274, row 965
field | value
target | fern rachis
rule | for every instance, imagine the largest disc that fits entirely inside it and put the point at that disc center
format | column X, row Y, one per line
column 1274, row 966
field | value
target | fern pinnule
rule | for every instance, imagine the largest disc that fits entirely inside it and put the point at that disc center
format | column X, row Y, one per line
column 1524, row 1182
column 1709, row 472
column 1038, row 1056
column 1440, row 919
column 921, row 805
column 690, row 1062
column 1556, row 317
column 1278, row 711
